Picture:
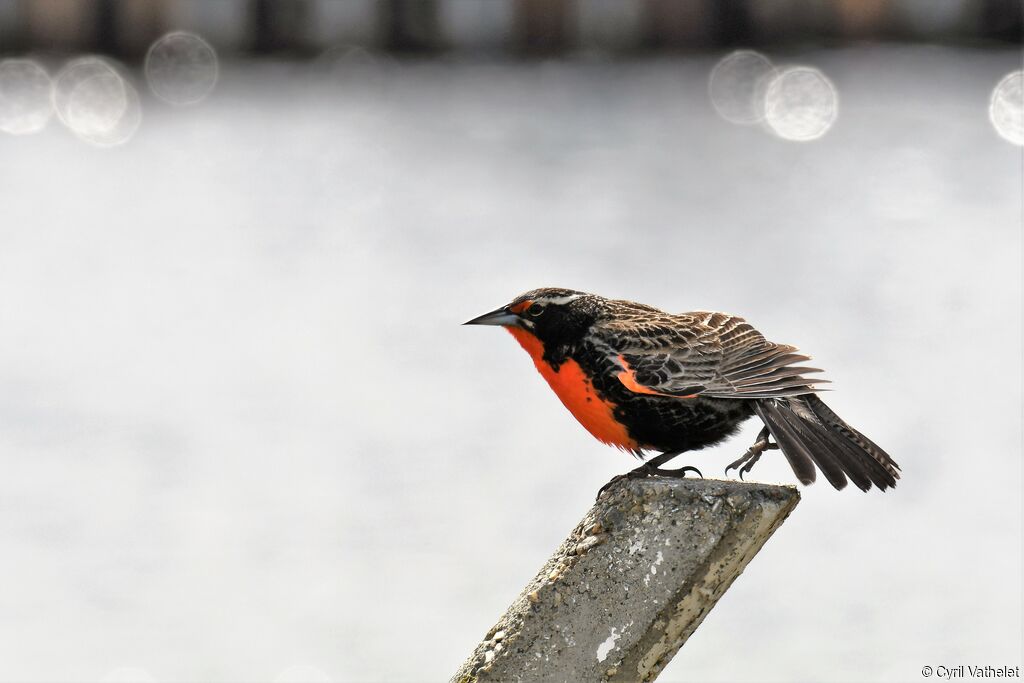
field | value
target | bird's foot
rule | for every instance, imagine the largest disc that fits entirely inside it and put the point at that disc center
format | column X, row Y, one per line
column 679, row 473
column 746, row 463
column 641, row 472
column 647, row 470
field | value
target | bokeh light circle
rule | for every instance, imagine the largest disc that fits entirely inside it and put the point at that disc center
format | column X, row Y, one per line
column 736, row 86
column 1006, row 108
column 181, row 68
column 800, row 103
column 126, row 126
column 25, row 105
column 79, row 71
column 96, row 102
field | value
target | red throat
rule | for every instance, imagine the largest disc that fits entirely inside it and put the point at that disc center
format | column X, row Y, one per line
column 577, row 393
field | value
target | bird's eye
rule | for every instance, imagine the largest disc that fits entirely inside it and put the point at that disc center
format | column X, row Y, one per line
column 535, row 310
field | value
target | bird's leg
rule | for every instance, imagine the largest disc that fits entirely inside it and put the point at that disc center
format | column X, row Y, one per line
column 651, row 467
column 679, row 472
column 753, row 454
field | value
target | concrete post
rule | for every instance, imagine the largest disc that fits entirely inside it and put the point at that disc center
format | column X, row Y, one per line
column 631, row 582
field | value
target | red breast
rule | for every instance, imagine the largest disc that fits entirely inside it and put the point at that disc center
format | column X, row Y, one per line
column 577, row 393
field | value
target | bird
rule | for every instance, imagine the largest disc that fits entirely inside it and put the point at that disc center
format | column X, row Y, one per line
column 647, row 381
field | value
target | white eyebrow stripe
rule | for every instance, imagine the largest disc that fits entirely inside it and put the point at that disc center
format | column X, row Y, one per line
column 559, row 300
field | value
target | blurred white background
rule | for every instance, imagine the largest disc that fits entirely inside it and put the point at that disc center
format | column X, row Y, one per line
column 243, row 436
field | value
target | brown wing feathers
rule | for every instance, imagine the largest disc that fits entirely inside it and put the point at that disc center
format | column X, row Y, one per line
column 765, row 369
column 751, row 366
column 721, row 356
column 714, row 354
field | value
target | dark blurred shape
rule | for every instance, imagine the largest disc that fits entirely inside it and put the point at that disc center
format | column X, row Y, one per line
column 794, row 21
column 474, row 26
column 106, row 30
column 133, row 25
column 58, row 24
column 609, row 26
column 544, row 26
column 408, row 25
column 1002, row 20
column 679, row 23
column 534, row 27
column 732, row 25
column 279, row 26
column 860, row 19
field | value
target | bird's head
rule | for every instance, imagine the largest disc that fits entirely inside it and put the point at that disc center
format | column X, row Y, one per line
column 553, row 315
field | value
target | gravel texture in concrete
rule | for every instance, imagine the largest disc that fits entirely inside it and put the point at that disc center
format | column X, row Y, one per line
column 632, row 581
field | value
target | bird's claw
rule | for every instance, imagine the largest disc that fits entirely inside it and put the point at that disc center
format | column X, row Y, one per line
column 678, row 473
column 746, row 462
column 646, row 471
column 638, row 473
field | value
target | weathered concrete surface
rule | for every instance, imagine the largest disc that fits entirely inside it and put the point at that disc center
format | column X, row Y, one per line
column 631, row 583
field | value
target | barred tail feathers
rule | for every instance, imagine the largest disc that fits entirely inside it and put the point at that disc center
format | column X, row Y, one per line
column 811, row 436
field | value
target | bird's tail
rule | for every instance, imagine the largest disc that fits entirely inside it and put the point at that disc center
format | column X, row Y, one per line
column 810, row 434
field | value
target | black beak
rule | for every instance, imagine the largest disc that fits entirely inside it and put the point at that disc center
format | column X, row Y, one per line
column 502, row 316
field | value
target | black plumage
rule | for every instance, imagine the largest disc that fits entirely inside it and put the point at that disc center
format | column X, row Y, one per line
column 681, row 382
